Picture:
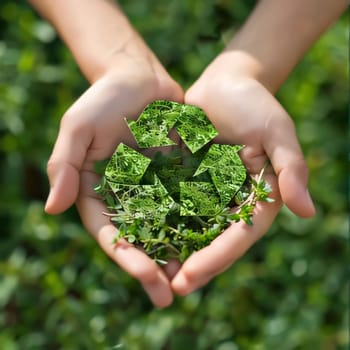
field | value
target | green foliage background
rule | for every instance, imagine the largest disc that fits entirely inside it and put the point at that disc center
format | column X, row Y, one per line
column 59, row 291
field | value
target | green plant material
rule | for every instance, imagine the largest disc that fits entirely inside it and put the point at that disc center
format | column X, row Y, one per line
column 131, row 166
column 158, row 118
column 290, row 292
column 178, row 201
column 198, row 199
column 225, row 168
column 151, row 129
column 143, row 200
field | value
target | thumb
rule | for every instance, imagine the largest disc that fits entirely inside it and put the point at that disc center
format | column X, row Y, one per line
column 292, row 181
column 284, row 152
column 64, row 166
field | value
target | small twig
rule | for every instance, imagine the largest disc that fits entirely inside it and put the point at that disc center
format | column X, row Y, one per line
column 109, row 214
column 200, row 221
column 252, row 198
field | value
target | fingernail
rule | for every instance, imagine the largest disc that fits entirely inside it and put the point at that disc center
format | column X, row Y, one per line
column 48, row 201
column 310, row 202
column 179, row 284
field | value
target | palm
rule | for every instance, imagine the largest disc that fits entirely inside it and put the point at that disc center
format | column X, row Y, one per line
column 90, row 131
column 244, row 112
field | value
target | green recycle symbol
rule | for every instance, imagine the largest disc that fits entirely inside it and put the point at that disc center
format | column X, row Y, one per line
column 214, row 172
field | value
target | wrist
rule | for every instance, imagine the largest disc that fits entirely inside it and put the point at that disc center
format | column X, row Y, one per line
column 229, row 67
column 131, row 57
column 236, row 64
column 142, row 73
column 97, row 33
column 276, row 36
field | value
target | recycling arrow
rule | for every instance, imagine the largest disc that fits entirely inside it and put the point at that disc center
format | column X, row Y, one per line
column 151, row 129
column 127, row 169
column 126, row 166
column 225, row 168
column 155, row 200
column 123, row 174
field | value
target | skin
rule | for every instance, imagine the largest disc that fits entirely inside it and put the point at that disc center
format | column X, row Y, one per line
column 236, row 91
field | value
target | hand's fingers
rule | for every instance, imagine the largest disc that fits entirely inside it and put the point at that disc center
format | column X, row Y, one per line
column 292, row 181
column 129, row 258
column 64, row 166
column 172, row 268
column 78, row 131
column 203, row 265
column 282, row 147
column 266, row 118
column 94, row 124
column 74, row 139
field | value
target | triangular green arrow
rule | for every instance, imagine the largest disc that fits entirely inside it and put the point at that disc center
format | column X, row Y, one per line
column 126, row 166
column 194, row 127
column 152, row 127
column 225, row 168
column 144, row 201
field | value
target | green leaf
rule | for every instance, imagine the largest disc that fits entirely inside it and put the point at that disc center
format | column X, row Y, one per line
column 131, row 238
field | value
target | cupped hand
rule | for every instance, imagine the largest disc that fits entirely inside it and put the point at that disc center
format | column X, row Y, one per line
column 90, row 131
column 245, row 112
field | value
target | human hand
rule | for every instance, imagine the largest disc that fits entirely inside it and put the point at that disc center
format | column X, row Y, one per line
column 245, row 112
column 90, row 131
